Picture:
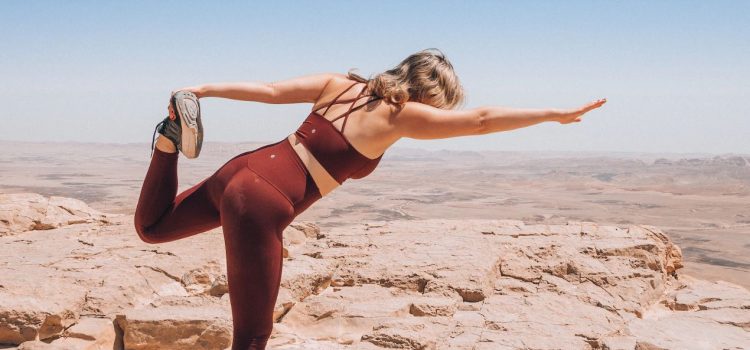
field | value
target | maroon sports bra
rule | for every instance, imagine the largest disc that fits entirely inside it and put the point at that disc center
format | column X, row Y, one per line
column 329, row 145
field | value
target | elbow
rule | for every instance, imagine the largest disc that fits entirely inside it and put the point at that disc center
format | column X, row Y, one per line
column 482, row 122
column 268, row 93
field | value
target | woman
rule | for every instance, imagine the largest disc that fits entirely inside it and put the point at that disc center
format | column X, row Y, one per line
column 256, row 194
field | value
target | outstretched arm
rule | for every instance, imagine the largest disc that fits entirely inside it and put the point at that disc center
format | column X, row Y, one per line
column 303, row 89
column 503, row 118
column 421, row 121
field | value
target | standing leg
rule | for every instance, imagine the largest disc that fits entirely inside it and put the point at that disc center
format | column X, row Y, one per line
column 253, row 214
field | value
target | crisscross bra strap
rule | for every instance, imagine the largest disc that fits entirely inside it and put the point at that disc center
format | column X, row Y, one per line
column 351, row 109
column 334, row 100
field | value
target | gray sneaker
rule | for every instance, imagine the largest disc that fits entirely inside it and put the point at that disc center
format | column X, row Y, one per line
column 170, row 129
column 185, row 130
column 188, row 112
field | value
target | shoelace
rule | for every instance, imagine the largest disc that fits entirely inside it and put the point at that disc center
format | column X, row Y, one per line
column 153, row 137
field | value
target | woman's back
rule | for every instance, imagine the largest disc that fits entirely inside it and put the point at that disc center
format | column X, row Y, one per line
column 368, row 128
column 345, row 134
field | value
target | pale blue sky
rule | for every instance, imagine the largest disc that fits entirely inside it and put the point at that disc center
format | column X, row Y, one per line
column 676, row 73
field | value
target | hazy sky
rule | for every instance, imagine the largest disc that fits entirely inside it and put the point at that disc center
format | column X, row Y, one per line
column 676, row 73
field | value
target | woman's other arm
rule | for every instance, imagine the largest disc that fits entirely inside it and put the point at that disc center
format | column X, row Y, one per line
column 421, row 121
column 304, row 89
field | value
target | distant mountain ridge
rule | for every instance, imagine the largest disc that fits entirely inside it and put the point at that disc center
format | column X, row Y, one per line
column 739, row 161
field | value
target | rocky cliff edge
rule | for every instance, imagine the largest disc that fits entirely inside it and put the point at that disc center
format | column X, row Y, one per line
column 75, row 278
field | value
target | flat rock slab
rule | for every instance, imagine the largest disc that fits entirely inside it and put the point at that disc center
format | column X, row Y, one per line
column 176, row 327
column 57, row 283
column 501, row 284
column 411, row 284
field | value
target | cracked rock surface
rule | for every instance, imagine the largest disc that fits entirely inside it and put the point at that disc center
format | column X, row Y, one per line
column 90, row 283
column 21, row 212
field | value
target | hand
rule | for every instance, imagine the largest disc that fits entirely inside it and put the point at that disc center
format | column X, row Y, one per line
column 574, row 115
column 197, row 90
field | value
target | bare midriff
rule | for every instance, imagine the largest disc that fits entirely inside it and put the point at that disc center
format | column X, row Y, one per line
column 323, row 179
column 325, row 182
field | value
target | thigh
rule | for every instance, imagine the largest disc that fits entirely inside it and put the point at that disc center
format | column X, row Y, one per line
column 253, row 215
column 197, row 209
column 191, row 212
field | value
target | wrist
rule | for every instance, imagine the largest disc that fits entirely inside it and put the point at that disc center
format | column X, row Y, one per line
column 199, row 90
column 555, row 115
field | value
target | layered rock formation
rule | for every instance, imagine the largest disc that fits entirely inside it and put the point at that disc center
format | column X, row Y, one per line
column 20, row 212
column 90, row 283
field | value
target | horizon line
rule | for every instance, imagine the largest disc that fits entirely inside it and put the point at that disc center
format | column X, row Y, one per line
column 415, row 148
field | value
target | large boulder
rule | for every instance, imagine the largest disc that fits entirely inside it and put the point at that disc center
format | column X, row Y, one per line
column 202, row 325
column 20, row 212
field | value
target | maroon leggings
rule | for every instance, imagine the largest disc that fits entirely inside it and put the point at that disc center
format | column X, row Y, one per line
column 254, row 196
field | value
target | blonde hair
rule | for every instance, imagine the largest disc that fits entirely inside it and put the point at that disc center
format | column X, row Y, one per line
column 425, row 77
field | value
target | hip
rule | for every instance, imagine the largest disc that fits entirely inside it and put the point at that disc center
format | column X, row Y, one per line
column 276, row 163
column 323, row 179
column 280, row 165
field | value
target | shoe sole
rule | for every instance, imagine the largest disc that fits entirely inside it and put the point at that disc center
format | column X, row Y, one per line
column 188, row 109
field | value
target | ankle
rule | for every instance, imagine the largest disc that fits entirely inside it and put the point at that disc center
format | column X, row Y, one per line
column 165, row 145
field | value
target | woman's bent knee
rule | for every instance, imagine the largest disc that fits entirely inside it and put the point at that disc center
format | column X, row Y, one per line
column 145, row 234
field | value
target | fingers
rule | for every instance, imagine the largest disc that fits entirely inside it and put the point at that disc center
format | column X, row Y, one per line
column 593, row 105
column 598, row 103
column 587, row 107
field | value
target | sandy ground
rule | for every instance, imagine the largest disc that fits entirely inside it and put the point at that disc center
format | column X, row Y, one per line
column 701, row 201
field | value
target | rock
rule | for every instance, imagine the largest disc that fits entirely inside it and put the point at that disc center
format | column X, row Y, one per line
column 101, row 330
column 89, row 334
column 206, row 279
column 433, row 306
column 689, row 310
column 495, row 285
column 106, row 271
column 415, row 284
column 687, row 331
column 26, row 317
column 176, row 327
column 62, row 344
column 295, row 237
column 647, row 346
column 309, row 229
column 691, row 294
column 20, row 212
column 400, row 339
column 284, row 302
column 305, row 276
column 344, row 314
column 618, row 343
column 219, row 286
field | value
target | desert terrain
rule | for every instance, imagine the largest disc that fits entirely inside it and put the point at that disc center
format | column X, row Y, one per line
column 701, row 201
column 434, row 250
